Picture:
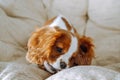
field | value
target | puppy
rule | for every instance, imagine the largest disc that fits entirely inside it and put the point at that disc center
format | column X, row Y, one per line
column 57, row 45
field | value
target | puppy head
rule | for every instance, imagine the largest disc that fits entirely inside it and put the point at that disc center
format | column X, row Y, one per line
column 54, row 49
column 47, row 45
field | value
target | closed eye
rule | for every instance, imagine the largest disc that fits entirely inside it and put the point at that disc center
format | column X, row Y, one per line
column 59, row 50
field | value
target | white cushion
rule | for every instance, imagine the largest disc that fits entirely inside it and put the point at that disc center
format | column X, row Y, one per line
column 107, row 44
column 104, row 27
column 28, row 9
column 15, row 71
column 86, row 73
column 74, row 10
column 105, row 13
column 19, row 20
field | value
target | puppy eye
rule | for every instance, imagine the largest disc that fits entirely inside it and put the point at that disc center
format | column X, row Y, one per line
column 58, row 49
column 84, row 48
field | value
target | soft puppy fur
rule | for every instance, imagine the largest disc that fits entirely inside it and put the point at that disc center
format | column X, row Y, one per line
column 57, row 45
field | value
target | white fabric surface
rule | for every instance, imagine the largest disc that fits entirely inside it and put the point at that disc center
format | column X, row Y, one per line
column 14, row 71
column 107, row 44
column 18, row 19
column 86, row 73
column 17, row 22
column 77, row 10
column 105, row 13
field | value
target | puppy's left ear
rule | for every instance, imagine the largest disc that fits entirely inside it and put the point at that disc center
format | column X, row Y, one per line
column 85, row 52
column 86, row 46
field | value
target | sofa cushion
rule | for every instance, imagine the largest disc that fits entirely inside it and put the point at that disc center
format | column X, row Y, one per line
column 105, row 13
column 107, row 44
column 18, row 21
column 104, row 27
column 75, row 11
column 86, row 73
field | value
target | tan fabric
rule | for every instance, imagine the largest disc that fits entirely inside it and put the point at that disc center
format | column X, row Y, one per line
column 105, row 13
column 107, row 43
column 15, row 71
column 75, row 11
column 104, row 27
column 17, row 22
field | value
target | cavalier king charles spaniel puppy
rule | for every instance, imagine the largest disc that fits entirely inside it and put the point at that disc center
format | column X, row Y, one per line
column 57, row 45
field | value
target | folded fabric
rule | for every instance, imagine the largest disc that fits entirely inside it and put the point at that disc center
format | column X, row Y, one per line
column 86, row 73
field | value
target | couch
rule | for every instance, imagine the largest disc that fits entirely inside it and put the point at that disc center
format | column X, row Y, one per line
column 100, row 19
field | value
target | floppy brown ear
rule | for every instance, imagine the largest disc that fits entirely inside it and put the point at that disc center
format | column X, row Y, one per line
column 39, row 44
column 86, row 46
column 85, row 52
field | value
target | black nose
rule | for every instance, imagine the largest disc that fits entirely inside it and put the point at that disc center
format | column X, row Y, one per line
column 63, row 65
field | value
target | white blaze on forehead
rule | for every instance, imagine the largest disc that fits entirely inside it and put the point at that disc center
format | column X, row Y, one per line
column 72, row 49
column 59, row 22
column 72, row 30
column 65, row 58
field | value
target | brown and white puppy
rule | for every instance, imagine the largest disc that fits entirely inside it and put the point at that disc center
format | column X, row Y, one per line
column 57, row 45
